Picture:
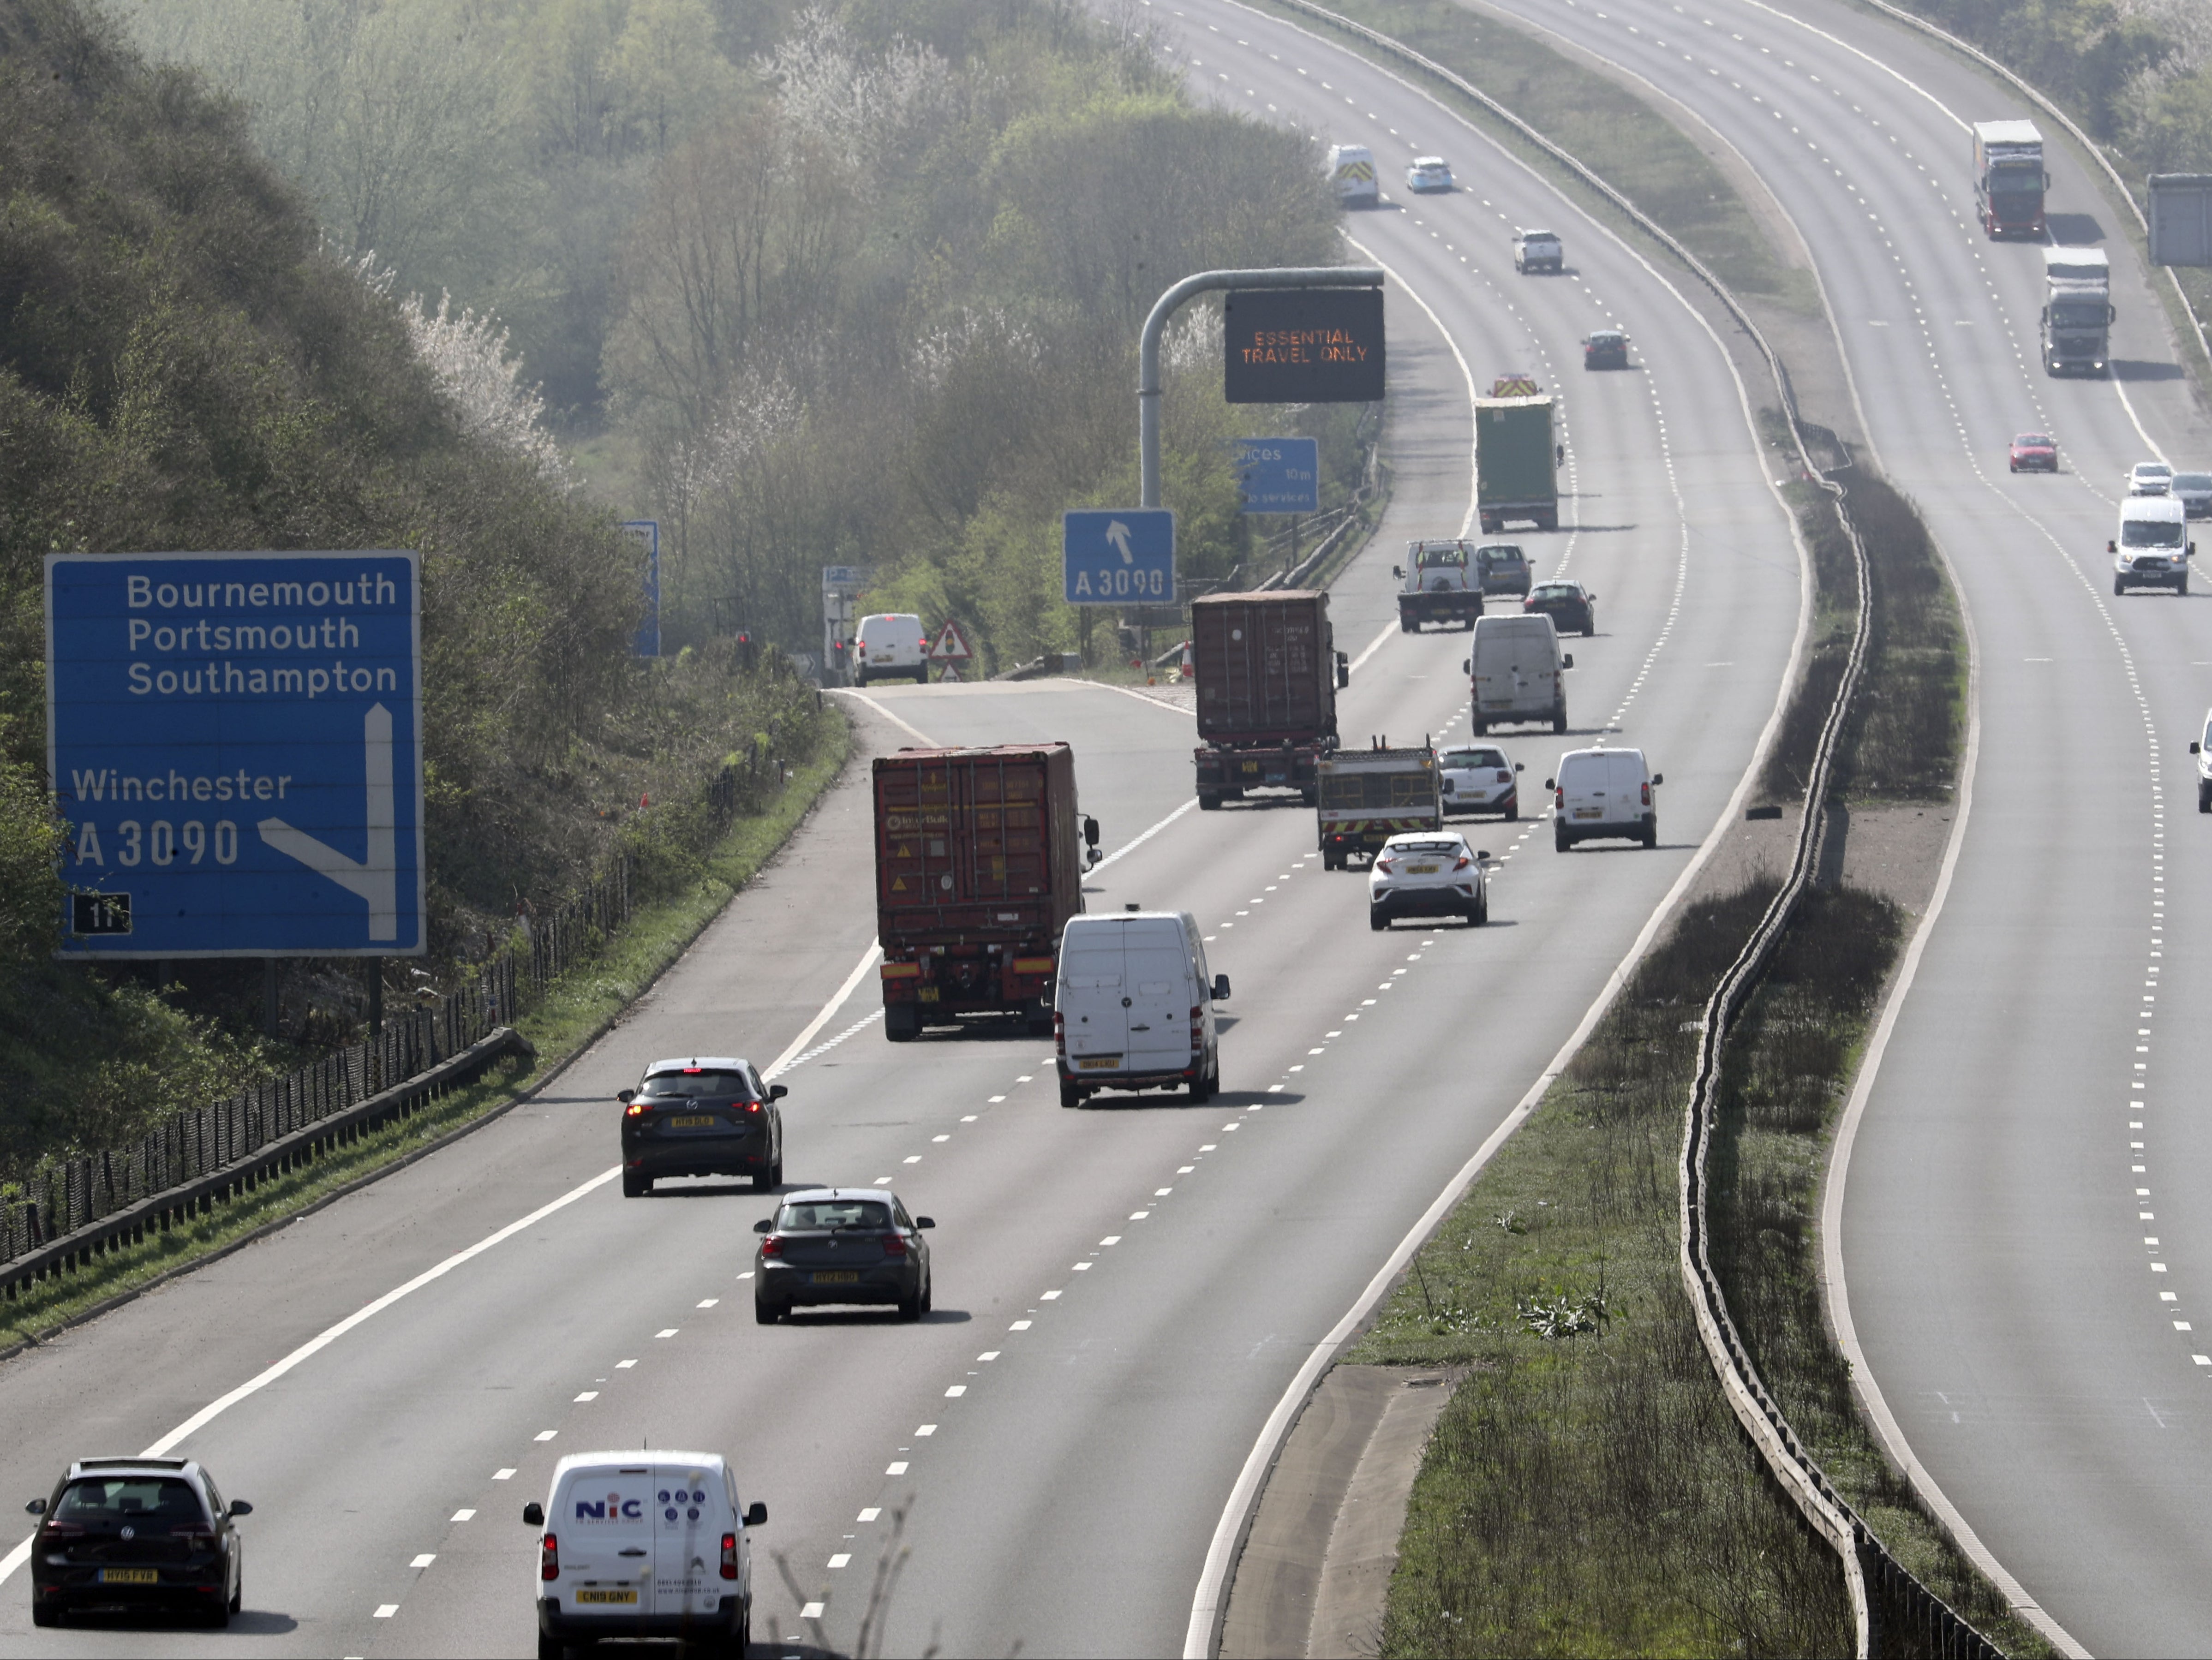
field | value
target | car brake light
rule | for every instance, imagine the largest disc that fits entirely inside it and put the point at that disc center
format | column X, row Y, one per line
column 1060, row 1032
column 771, row 1245
column 635, row 1110
column 63, row 1530
column 894, row 1245
column 752, row 1106
column 1385, row 865
column 1503, row 777
column 729, row 1556
column 1559, row 798
column 549, row 1559
column 1462, row 862
column 1647, row 794
column 194, row 1535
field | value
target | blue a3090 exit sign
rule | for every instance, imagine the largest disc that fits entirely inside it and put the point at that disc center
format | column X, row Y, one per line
column 235, row 742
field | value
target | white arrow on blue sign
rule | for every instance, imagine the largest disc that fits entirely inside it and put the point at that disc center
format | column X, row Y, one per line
column 1119, row 556
column 236, row 745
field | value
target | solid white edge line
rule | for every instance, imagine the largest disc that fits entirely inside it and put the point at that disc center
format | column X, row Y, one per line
column 2120, row 389
column 313, row 1346
column 1139, row 840
column 863, row 697
column 1209, row 1599
column 1373, row 646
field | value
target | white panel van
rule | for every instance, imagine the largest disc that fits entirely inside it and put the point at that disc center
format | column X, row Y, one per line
column 1518, row 671
column 2151, row 547
column 1133, row 1007
column 638, row 1544
column 892, row 646
column 1603, row 793
column 1352, row 175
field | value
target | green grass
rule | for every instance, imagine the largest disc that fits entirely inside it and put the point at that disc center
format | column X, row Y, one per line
column 1591, row 1494
column 575, row 1009
column 1598, row 121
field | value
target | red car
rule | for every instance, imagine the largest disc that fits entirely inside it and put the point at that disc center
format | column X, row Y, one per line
column 2035, row 452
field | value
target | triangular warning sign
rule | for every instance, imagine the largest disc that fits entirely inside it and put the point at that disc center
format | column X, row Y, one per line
column 950, row 645
column 905, row 852
column 898, row 885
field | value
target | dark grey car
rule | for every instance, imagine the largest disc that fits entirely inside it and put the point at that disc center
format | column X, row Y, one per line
column 826, row 1245
column 126, row 1535
column 2194, row 491
column 706, row 1115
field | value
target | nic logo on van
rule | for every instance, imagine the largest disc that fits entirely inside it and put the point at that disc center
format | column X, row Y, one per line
column 615, row 1508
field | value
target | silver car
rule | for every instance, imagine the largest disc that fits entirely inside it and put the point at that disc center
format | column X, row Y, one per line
column 1479, row 779
column 1427, row 874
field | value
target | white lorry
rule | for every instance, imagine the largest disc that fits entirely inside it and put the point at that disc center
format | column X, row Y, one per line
column 2077, row 310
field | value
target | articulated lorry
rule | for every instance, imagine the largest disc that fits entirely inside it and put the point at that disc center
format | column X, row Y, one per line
column 1368, row 796
column 980, row 855
column 2077, row 310
column 1267, row 671
column 1515, row 460
column 1441, row 585
column 2008, row 178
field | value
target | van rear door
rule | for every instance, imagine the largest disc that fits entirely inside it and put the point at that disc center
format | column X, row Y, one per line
column 1094, row 1016
column 1584, row 789
column 1156, row 979
column 1624, row 787
column 604, row 1523
column 688, row 1522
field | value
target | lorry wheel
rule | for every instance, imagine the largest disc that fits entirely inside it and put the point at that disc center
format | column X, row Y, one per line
column 1208, row 803
column 1407, row 625
column 901, row 1022
column 1069, row 1095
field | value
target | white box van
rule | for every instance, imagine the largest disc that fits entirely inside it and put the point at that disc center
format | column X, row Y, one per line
column 1604, row 793
column 1352, row 173
column 643, row 1544
column 2152, row 547
column 1518, row 671
column 892, row 645
column 1133, row 1006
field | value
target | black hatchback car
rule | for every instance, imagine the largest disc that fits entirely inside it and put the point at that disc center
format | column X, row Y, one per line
column 840, row 1245
column 1605, row 349
column 708, row 1116
column 132, row 1535
column 1571, row 606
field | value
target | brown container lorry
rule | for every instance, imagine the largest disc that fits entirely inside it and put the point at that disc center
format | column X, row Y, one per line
column 1267, row 672
column 980, row 855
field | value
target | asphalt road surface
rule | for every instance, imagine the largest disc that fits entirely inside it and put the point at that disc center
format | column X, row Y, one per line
column 2027, row 1232
column 1122, row 1292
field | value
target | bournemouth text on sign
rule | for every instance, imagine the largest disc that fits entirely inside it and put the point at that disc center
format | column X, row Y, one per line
column 193, row 641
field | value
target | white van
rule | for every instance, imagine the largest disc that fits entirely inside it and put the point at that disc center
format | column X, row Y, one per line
column 1518, row 672
column 2152, row 548
column 1351, row 173
column 643, row 1544
column 1604, row 793
column 892, row 645
column 1133, row 1006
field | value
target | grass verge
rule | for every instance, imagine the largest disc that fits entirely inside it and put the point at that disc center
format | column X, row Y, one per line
column 575, row 1011
column 1587, row 1491
column 1783, row 1082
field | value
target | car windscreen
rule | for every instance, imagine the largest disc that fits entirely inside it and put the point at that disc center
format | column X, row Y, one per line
column 821, row 1214
column 143, row 1500
column 1453, row 847
column 706, row 1084
column 1426, row 559
column 2032, row 440
column 1491, row 558
column 1555, row 591
column 2192, row 480
column 1460, row 760
column 2150, row 532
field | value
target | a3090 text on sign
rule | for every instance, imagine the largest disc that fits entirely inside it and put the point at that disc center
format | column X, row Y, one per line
column 236, row 744
column 1118, row 557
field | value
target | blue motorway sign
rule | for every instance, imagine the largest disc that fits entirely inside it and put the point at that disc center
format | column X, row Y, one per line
column 1279, row 474
column 236, row 743
column 1124, row 556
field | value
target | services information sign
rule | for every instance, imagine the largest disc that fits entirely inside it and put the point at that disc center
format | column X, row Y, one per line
column 1302, row 346
column 1279, row 474
column 1119, row 556
column 236, row 743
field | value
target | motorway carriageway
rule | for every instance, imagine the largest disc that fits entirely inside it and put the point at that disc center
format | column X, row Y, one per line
column 2025, row 1233
column 1123, row 1292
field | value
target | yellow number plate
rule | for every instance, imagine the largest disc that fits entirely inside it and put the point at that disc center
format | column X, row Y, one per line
column 1098, row 1062
column 692, row 1120
column 927, row 995
column 626, row 1594
column 1420, row 870
column 1251, row 766
column 130, row 1576
column 838, row 1277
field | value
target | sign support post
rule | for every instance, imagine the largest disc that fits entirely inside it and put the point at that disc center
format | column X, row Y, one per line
column 1207, row 282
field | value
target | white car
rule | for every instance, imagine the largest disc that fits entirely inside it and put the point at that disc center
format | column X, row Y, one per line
column 2149, row 478
column 1427, row 874
column 1480, row 780
column 1429, row 173
column 2202, row 751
